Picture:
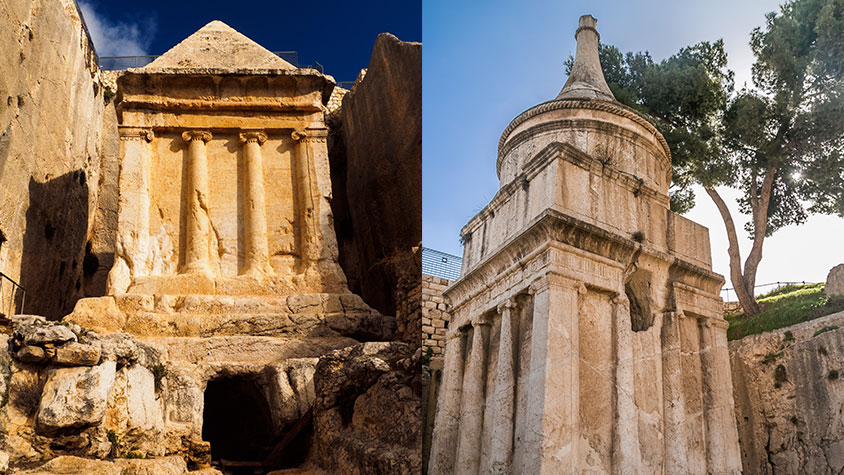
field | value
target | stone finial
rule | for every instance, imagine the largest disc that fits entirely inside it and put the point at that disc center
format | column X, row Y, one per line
column 586, row 80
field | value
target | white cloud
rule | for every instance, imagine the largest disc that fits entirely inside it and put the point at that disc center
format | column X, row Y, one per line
column 117, row 38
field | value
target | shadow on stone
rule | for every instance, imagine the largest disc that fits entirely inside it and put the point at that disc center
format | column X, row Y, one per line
column 54, row 244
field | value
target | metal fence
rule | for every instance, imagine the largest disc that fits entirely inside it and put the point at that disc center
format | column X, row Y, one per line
column 440, row 264
column 12, row 296
column 725, row 293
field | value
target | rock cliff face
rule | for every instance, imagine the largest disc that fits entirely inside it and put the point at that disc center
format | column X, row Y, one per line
column 51, row 133
column 789, row 396
column 378, row 200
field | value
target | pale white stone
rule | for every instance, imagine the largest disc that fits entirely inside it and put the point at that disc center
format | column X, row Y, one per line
column 75, row 396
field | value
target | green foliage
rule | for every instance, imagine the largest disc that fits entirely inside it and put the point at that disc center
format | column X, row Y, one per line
column 108, row 95
column 790, row 121
column 788, row 336
column 133, row 455
column 825, row 329
column 770, row 357
column 784, row 307
column 426, row 358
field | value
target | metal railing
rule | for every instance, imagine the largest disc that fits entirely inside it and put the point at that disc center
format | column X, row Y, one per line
column 778, row 284
column 15, row 290
column 440, row 264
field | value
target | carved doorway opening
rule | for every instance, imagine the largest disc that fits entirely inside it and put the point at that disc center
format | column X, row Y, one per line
column 237, row 421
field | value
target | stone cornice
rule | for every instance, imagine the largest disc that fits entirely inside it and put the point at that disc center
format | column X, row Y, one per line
column 553, row 225
column 322, row 82
column 591, row 104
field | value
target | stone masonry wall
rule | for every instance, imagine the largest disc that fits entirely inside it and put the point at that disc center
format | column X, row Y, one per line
column 51, row 132
column 435, row 316
column 789, row 397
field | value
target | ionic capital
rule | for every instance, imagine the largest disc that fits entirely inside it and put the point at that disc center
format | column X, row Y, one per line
column 507, row 304
column 253, row 136
column 309, row 135
column 298, row 135
column 191, row 135
column 136, row 133
column 480, row 321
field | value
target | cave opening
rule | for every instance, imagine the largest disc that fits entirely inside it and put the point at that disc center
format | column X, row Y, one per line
column 238, row 423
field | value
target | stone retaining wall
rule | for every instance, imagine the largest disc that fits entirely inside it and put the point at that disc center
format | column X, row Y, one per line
column 789, row 398
column 435, row 316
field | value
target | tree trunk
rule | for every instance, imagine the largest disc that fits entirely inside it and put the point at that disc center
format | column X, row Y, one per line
column 745, row 294
column 759, row 207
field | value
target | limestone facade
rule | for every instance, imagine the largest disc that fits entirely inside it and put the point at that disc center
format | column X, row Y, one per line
column 586, row 332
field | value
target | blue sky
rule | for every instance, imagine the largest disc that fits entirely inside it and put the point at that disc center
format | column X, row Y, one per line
column 485, row 62
column 338, row 35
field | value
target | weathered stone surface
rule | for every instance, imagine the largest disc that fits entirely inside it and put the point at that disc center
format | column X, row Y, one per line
column 77, row 354
column 578, row 267
column 367, row 414
column 379, row 174
column 293, row 387
column 286, row 244
column 98, row 314
column 31, row 354
column 51, row 130
column 218, row 46
column 69, row 465
column 835, row 281
column 75, row 397
column 788, row 398
column 41, row 335
column 4, row 461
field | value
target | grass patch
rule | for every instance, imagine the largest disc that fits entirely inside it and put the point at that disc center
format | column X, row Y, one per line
column 784, row 307
column 825, row 329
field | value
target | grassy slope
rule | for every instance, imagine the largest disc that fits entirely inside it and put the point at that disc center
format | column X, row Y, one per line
column 784, row 307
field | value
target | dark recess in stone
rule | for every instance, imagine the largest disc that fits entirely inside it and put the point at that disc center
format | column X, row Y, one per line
column 244, row 431
column 56, row 228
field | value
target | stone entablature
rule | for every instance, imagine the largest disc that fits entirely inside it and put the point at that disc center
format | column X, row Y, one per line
column 586, row 332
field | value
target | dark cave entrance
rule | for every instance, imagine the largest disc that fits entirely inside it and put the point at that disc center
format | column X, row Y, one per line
column 238, row 422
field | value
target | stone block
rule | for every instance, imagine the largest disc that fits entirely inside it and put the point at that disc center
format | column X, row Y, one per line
column 75, row 397
column 31, row 354
column 77, row 354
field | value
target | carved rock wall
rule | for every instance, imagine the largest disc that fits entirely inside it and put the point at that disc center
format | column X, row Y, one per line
column 789, row 396
column 378, row 201
column 51, row 132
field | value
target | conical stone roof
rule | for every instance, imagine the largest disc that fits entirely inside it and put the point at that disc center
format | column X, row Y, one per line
column 220, row 47
column 586, row 80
